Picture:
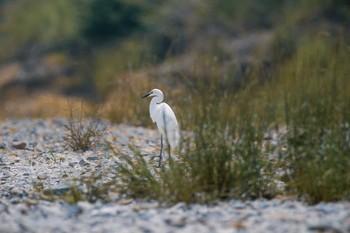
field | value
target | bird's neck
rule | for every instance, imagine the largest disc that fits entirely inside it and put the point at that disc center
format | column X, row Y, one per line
column 154, row 104
column 154, row 107
column 156, row 100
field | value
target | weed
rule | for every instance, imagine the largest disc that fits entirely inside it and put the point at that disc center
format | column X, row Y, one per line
column 317, row 116
column 82, row 135
column 213, row 169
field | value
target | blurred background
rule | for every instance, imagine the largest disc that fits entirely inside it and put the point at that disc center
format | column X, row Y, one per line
column 110, row 52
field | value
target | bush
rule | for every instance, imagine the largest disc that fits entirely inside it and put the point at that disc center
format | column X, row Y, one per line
column 317, row 114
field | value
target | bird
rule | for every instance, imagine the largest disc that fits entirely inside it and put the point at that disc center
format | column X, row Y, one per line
column 165, row 119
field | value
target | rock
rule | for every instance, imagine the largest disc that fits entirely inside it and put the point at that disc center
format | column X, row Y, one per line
column 42, row 176
column 125, row 201
column 105, row 211
column 2, row 146
column 58, row 190
column 74, row 210
column 17, row 160
column 19, row 146
column 31, row 202
column 92, row 158
column 176, row 221
column 82, row 162
column 16, row 191
column 324, row 228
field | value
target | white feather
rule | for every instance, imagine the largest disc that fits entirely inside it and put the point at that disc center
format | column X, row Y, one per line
column 165, row 118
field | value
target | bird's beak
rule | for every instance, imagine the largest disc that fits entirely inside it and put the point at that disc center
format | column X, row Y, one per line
column 146, row 95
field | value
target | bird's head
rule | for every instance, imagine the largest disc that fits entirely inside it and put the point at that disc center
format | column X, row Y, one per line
column 154, row 92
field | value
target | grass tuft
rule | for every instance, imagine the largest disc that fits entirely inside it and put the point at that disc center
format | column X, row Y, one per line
column 317, row 116
column 82, row 135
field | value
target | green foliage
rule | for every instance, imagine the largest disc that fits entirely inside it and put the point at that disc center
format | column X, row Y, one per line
column 213, row 170
column 250, row 12
column 110, row 19
column 53, row 23
column 317, row 113
column 47, row 22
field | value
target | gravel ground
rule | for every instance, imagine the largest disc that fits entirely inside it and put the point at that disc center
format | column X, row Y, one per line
column 45, row 159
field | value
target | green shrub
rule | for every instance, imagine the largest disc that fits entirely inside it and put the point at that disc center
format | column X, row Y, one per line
column 317, row 113
column 214, row 169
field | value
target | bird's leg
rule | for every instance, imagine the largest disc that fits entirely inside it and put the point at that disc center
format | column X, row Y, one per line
column 170, row 159
column 161, row 150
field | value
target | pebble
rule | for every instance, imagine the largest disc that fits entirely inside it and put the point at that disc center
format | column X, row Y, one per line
column 45, row 163
column 176, row 221
column 42, row 176
column 58, row 190
column 19, row 146
column 125, row 201
column 15, row 191
column 82, row 162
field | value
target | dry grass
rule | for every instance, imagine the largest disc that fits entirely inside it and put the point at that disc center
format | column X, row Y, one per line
column 82, row 133
column 42, row 105
column 124, row 103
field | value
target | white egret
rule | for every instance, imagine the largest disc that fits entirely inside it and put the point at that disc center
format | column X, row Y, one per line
column 164, row 117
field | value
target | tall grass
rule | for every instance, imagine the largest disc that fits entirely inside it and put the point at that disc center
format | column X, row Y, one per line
column 224, row 157
column 125, row 105
column 317, row 114
column 227, row 155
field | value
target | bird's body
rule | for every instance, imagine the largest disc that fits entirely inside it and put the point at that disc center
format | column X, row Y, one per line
column 167, row 125
column 165, row 118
